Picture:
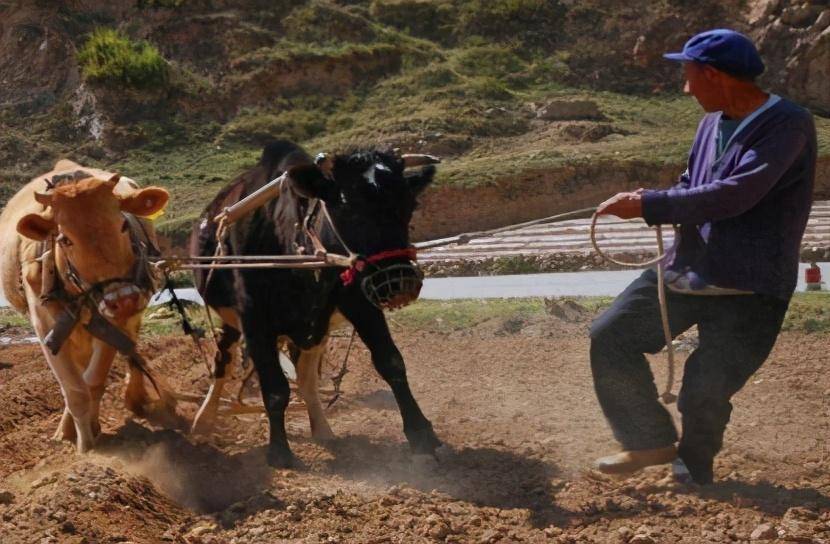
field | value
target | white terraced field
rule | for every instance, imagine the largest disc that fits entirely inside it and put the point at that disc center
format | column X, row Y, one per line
column 614, row 236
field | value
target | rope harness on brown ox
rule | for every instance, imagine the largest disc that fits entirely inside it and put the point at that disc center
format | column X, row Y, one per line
column 86, row 305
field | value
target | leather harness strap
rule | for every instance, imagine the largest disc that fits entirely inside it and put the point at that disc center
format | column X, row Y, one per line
column 140, row 275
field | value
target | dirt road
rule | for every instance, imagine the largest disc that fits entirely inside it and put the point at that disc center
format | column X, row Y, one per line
column 511, row 398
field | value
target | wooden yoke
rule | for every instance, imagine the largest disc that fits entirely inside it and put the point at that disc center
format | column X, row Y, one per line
column 254, row 200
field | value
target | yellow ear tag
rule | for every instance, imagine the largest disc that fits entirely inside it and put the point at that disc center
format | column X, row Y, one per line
column 156, row 215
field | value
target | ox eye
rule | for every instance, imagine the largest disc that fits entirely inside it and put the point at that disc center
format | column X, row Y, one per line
column 125, row 226
column 63, row 240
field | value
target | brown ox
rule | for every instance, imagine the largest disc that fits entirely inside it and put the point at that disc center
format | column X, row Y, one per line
column 66, row 243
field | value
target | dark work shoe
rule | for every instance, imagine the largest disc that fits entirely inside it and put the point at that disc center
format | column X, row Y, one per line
column 701, row 473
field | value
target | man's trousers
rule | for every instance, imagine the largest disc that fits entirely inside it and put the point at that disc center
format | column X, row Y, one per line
column 736, row 334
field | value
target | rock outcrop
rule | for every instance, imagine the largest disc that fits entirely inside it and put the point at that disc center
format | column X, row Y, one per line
column 794, row 39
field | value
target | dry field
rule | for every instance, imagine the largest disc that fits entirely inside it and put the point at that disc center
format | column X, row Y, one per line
column 510, row 396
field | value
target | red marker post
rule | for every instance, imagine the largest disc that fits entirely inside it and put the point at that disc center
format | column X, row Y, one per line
column 812, row 277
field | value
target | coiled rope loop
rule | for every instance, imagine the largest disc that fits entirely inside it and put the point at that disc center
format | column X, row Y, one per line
column 666, row 396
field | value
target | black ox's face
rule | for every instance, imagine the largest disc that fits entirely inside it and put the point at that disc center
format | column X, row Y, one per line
column 370, row 200
column 369, row 196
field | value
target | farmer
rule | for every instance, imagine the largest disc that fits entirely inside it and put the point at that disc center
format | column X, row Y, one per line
column 741, row 206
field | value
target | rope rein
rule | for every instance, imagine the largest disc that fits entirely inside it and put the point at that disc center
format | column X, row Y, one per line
column 666, row 396
column 468, row 236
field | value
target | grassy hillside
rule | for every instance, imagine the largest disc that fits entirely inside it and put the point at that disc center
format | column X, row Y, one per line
column 183, row 93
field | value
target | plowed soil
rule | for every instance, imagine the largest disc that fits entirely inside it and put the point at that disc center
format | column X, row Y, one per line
column 511, row 399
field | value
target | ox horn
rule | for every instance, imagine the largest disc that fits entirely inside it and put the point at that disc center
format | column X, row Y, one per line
column 411, row 160
column 44, row 199
column 113, row 181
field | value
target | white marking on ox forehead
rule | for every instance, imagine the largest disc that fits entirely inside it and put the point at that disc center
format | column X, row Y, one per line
column 369, row 174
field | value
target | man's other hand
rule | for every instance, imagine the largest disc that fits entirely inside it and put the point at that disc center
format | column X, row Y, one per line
column 623, row 205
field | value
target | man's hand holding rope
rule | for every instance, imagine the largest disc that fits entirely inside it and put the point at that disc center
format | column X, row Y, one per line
column 623, row 205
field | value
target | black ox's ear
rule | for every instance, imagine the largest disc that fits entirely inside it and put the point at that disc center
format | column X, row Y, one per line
column 309, row 182
column 420, row 180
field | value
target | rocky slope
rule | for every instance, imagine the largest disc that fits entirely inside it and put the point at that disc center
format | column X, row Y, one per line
column 565, row 101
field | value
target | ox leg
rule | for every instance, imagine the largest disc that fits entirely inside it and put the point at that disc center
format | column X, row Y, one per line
column 372, row 328
column 308, row 375
column 275, row 392
column 223, row 365
column 66, row 428
column 78, row 399
column 95, row 377
column 161, row 411
column 135, row 396
column 76, row 394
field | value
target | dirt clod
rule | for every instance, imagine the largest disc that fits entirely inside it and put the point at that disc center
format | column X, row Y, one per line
column 764, row 531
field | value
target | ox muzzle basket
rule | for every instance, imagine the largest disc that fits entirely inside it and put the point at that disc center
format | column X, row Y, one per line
column 394, row 286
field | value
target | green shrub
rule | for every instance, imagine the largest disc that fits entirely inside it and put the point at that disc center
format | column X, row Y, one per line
column 488, row 60
column 550, row 68
column 258, row 127
column 323, row 23
column 422, row 18
column 489, row 88
column 536, row 23
column 111, row 57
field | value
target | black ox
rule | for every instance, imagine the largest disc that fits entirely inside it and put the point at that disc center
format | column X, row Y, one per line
column 370, row 199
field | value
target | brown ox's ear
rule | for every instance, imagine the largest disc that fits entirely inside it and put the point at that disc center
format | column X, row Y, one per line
column 145, row 202
column 35, row 226
column 43, row 198
column 114, row 179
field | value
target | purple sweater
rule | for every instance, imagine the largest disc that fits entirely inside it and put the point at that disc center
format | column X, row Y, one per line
column 742, row 216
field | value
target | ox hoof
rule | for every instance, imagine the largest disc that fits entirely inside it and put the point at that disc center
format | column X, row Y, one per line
column 323, row 437
column 421, row 462
column 65, row 435
column 324, row 441
column 66, row 430
column 281, row 459
column 202, row 426
column 423, row 441
column 163, row 415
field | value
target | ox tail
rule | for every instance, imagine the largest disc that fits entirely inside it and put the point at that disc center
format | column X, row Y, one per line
column 18, row 259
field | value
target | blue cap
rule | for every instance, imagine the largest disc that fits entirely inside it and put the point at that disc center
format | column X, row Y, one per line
column 724, row 49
